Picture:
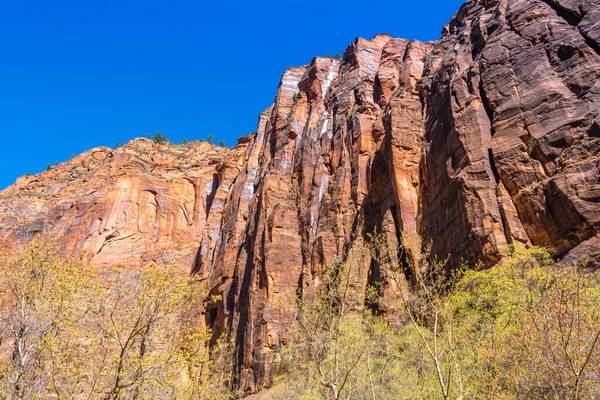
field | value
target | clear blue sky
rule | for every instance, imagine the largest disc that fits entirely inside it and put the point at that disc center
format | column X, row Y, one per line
column 84, row 73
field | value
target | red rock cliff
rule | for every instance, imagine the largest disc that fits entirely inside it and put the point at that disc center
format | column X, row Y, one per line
column 487, row 137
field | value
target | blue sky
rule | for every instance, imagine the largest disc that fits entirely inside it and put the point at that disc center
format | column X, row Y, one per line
column 79, row 74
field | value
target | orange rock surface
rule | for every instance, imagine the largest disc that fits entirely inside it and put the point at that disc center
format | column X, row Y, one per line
column 487, row 137
column 144, row 202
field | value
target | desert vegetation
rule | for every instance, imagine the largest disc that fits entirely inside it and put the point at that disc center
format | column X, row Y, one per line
column 67, row 332
column 526, row 329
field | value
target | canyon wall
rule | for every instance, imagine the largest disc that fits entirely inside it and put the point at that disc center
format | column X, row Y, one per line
column 487, row 137
column 141, row 203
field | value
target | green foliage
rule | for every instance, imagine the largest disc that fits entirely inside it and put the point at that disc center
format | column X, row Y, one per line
column 530, row 145
column 526, row 329
column 40, row 299
column 50, row 166
column 542, row 326
column 338, row 349
column 210, row 138
column 222, row 143
column 66, row 332
column 338, row 56
column 161, row 138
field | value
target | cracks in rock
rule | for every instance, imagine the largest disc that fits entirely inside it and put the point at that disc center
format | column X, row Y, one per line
column 512, row 70
column 569, row 16
column 506, row 228
column 486, row 106
column 213, row 191
column 244, row 295
column 185, row 213
column 493, row 166
column 564, row 52
column 590, row 42
column 534, row 151
column 112, row 238
column 505, row 224
column 197, row 262
column 594, row 130
column 573, row 19
column 156, row 230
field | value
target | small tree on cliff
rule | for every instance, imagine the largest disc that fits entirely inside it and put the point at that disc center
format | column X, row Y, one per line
column 161, row 138
column 210, row 138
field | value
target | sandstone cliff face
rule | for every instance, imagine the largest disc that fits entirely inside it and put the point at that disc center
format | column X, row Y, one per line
column 487, row 137
column 141, row 203
column 484, row 138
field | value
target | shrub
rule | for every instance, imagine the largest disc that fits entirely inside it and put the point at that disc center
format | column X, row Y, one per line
column 161, row 138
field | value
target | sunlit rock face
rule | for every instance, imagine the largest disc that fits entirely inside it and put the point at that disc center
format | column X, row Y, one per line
column 487, row 137
column 142, row 203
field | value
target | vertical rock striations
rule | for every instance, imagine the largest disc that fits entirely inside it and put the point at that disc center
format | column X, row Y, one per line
column 487, row 137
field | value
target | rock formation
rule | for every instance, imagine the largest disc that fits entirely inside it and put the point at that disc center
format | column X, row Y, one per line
column 141, row 203
column 487, row 137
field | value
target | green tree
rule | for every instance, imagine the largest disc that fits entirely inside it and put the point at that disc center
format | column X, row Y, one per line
column 426, row 302
column 41, row 300
column 68, row 333
column 210, row 138
column 147, row 337
column 160, row 138
column 544, row 327
column 338, row 349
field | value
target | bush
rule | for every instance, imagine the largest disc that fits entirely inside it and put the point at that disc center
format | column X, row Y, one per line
column 161, row 138
column 66, row 332
column 526, row 329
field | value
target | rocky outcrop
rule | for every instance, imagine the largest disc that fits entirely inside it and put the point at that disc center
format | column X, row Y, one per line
column 141, row 203
column 487, row 137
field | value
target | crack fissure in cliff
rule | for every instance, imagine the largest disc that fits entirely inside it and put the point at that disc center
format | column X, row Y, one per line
column 564, row 13
column 213, row 192
column 486, row 106
column 244, row 290
column 493, row 166
column 574, row 20
column 591, row 43
column 504, row 219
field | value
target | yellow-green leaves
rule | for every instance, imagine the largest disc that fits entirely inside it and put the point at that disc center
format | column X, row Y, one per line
column 69, row 333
